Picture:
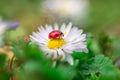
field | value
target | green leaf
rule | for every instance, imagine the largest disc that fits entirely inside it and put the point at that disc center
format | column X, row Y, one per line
column 2, row 60
column 100, row 66
column 78, row 55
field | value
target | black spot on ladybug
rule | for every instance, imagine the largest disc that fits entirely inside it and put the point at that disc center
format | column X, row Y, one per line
column 56, row 35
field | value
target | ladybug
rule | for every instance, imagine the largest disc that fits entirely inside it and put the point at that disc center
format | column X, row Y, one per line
column 55, row 34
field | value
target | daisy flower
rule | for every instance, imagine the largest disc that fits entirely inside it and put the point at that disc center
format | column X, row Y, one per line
column 60, row 41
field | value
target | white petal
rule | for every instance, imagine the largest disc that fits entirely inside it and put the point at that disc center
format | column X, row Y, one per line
column 67, row 50
column 3, row 27
column 62, row 28
column 55, row 54
column 33, row 39
column 61, row 53
column 85, row 50
column 67, row 30
column 55, row 27
column 40, row 37
column 48, row 29
column 43, row 32
column 46, row 49
column 74, row 34
column 69, row 59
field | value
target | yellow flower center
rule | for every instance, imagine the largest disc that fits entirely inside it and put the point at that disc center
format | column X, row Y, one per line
column 56, row 43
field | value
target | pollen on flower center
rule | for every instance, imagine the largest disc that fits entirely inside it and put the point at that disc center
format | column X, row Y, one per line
column 56, row 43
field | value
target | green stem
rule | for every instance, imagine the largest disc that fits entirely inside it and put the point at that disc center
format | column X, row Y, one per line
column 10, row 66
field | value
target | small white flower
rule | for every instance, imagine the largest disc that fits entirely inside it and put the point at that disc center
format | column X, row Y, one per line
column 2, row 26
column 2, row 30
column 67, row 7
column 60, row 41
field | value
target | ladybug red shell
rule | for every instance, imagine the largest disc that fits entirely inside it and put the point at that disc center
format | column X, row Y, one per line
column 55, row 34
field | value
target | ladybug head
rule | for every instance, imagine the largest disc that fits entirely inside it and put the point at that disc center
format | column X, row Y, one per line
column 55, row 34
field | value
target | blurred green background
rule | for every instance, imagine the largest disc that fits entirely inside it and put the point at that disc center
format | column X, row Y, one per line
column 102, row 24
column 104, row 15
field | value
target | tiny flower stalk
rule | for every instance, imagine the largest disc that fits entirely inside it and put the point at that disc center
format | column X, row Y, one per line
column 11, row 68
column 10, row 59
column 13, row 78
